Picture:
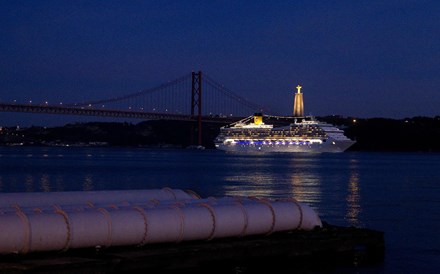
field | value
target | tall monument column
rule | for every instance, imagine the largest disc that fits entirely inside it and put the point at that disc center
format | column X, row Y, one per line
column 298, row 104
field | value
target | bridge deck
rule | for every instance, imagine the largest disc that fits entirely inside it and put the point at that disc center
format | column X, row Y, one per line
column 85, row 111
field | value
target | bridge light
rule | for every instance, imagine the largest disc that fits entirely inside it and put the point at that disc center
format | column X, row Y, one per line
column 61, row 103
column 90, row 105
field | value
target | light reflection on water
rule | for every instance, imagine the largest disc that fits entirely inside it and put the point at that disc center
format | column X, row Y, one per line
column 259, row 186
column 305, row 184
column 29, row 182
column 313, row 180
column 45, row 183
column 306, row 188
column 88, row 183
column 354, row 196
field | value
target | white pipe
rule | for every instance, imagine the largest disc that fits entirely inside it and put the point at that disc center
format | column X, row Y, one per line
column 47, row 232
column 128, row 227
column 230, row 219
column 198, row 223
column 13, row 233
column 163, row 225
column 28, row 230
column 92, row 197
column 260, row 217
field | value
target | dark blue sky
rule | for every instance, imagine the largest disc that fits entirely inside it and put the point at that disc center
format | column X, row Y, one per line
column 353, row 58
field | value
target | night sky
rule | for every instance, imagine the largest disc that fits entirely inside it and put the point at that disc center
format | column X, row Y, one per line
column 353, row 58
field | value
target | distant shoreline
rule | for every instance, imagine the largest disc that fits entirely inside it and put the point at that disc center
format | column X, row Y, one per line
column 421, row 134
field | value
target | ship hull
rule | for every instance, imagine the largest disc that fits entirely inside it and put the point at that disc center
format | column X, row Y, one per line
column 330, row 146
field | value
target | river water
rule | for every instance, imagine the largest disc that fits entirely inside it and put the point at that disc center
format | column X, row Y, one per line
column 398, row 193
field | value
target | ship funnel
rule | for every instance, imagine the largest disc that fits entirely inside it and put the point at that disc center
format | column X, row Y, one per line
column 298, row 105
column 258, row 118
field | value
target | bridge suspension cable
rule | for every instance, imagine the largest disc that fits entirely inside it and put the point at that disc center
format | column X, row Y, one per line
column 174, row 97
column 241, row 100
column 133, row 95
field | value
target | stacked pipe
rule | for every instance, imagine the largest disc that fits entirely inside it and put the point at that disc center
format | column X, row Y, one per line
column 135, row 222
column 98, row 197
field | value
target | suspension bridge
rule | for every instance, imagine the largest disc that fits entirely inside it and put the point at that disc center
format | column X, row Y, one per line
column 192, row 97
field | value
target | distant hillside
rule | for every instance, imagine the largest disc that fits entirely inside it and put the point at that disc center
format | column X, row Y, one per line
column 148, row 133
column 380, row 134
column 376, row 134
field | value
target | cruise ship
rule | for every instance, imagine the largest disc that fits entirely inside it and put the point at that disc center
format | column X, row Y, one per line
column 295, row 133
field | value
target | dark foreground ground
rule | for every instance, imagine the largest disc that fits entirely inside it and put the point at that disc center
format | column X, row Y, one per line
column 299, row 251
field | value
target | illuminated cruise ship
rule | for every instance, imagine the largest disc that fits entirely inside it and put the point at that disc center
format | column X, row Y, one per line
column 292, row 134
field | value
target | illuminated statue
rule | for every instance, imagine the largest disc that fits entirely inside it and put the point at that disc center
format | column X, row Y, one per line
column 298, row 105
